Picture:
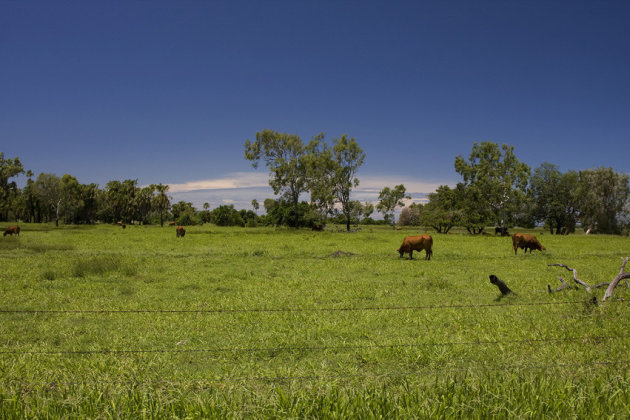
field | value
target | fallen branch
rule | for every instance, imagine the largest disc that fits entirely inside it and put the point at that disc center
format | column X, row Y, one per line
column 564, row 286
column 500, row 284
column 575, row 276
column 622, row 275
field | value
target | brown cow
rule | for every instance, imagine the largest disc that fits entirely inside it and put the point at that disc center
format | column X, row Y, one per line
column 526, row 241
column 417, row 243
column 171, row 223
column 318, row 228
column 11, row 230
column 180, row 231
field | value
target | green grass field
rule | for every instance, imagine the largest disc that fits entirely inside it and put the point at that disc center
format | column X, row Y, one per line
column 102, row 322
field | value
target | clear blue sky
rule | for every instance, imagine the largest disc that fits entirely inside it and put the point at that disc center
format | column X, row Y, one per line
column 168, row 91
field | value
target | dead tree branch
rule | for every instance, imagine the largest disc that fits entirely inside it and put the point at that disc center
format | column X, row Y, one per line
column 622, row 275
column 564, row 286
column 575, row 276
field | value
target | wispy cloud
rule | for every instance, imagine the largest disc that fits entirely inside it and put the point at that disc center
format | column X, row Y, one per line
column 240, row 188
column 233, row 180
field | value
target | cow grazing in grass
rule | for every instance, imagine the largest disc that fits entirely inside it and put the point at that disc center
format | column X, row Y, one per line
column 417, row 243
column 318, row 228
column 171, row 223
column 502, row 230
column 180, row 231
column 526, row 241
column 11, row 230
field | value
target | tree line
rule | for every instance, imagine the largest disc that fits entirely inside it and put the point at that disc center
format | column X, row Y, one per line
column 496, row 190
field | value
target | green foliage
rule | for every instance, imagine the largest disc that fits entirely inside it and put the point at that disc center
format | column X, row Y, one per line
column 287, row 158
column 9, row 168
column 389, row 199
column 495, row 183
column 555, row 198
column 603, row 198
column 227, row 215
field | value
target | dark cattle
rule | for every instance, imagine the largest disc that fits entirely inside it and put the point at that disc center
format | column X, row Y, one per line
column 318, row 227
column 180, row 231
column 123, row 225
column 526, row 241
column 502, row 230
column 417, row 243
column 11, row 230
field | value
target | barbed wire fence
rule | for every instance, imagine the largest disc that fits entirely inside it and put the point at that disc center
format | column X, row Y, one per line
column 585, row 340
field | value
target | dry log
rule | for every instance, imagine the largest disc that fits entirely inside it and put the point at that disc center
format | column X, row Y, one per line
column 622, row 275
column 500, row 284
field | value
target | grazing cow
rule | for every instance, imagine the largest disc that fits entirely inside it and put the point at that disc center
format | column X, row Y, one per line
column 417, row 243
column 123, row 225
column 502, row 230
column 526, row 241
column 318, row 227
column 11, row 230
column 171, row 223
column 180, row 231
column 119, row 223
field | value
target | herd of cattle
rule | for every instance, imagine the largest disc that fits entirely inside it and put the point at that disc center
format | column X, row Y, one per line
column 418, row 243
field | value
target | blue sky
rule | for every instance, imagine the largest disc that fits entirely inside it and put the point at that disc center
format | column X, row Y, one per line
column 168, row 91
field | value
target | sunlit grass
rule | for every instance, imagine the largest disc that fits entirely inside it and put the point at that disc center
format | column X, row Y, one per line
column 306, row 324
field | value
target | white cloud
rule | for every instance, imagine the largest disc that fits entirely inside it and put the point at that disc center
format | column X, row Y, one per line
column 239, row 188
column 231, row 181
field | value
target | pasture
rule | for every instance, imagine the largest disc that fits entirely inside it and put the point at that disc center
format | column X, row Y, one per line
column 97, row 321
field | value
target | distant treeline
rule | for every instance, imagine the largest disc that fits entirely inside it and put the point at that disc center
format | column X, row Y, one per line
column 496, row 190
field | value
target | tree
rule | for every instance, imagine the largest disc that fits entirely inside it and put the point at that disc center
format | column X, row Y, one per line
column 554, row 198
column 255, row 205
column 496, row 180
column 368, row 209
column 443, row 210
column 161, row 201
column 8, row 169
column 389, row 199
column 48, row 188
column 602, row 195
column 286, row 156
column 70, row 191
column 411, row 215
column 321, row 169
column 347, row 156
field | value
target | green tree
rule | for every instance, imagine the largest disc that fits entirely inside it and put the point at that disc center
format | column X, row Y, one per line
column 554, row 198
column 443, row 211
column 287, row 157
column 70, row 191
column 8, row 169
column 495, row 179
column 347, row 157
column 389, row 199
column 255, row 205
column 602, row 195
column 161, row 201
column 48, row 188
